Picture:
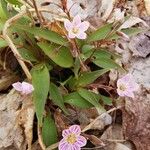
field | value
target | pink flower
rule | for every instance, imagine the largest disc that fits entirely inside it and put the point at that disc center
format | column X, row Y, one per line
column 72, row 140
column 76, row 28
column 127, row 86
column 24, row 87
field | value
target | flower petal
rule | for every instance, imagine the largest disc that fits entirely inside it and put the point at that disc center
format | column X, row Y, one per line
column 84, row 26
column 120, row 92
column 81, row 35
column 75, row 129
column 76, row 20
column 63, row 145
column 27, row 88
column 68, row 25
column 74, row 147
column 81, row 141
column 129, row 94
column 17, row 86
column 71, row 35
column 66, row 132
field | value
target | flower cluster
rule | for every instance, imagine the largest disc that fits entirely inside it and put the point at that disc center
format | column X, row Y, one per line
column 24, row 88
column 76, row 28
column 126, row 86
column 72, row 140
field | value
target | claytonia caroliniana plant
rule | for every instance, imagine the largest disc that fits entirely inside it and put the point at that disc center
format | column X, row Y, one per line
column 76, row 28
column 126, row 86
column 24, row 87
column 72, row 140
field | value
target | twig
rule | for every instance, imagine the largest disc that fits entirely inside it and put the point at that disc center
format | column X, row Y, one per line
column 115, row 140
column 53, row 146
column 93, row 122
column 11, row 44
column 37, row 12
column 40, row 138
column 26, row 1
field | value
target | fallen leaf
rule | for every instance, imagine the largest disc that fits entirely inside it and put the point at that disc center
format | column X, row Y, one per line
column 136, row 120
column 131, row 22
column 120, row 146
column 106, row 8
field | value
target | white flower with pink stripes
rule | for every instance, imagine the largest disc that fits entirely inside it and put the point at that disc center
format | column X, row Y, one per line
column 72, row 140
column 76, row 28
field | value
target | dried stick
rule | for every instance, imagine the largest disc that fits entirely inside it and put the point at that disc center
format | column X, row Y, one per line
column 93, row 122
column 37, row 11
column 11, row 44
column 40, row 138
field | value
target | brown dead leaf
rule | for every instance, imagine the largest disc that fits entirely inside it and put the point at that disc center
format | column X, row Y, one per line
column 94, row 140
column 120, row 146
column 60, row 121
column 136, row 121
column 11, row 134
column 26, row 118
column 140, row 44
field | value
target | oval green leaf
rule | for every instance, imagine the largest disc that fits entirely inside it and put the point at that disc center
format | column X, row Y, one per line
column 89, row 77
column 40, row 81
column 90, row 97
column 60, row 55
column 56, row 97
column 76, row 100
column 106, row 63
column 101, row 33
column 44, row 33
column 49, row 131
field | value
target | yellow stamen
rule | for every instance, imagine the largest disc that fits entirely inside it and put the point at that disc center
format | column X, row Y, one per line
column 122, row 87
column 75, row 30
column 71, row 139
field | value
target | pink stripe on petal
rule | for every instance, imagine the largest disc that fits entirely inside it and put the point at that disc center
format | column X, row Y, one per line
column 17, row 86
column 75, row 129
column 81, row 141
column 81, row 35
column 63, row 145
column 76, row 20
column 84, row 26
column 66, row 132
column 74, row 147
column 68, row 25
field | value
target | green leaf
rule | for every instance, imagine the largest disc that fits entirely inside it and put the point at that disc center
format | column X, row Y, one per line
column 27, row 54
column 76, row 100
column 106, row 63
column 3, row 43
column 90, row 97
column 101, row 33
column 40, row 80
column 130, row 32
column 56, row 97
column 89, row 77
column 60, row 55
column 49, row 131
column 106, row 100
column 3, row 10
column 44, row 33
column 76, row 67
column 100, row 53
column 14, row 2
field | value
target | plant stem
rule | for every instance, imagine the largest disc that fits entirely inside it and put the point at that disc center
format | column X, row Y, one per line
column 11, row 44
